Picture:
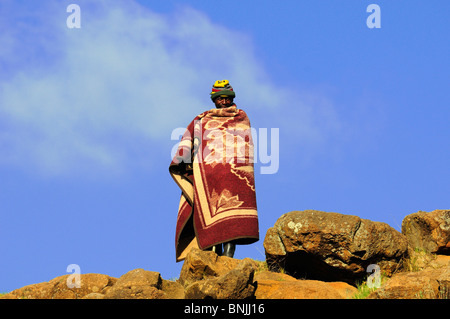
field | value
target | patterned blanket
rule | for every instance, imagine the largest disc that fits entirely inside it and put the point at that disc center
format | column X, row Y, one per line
column 213, row 167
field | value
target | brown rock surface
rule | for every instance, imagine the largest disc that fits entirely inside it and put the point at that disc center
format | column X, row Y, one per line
column 344, row 289
column 318, row 252
column 271, row 285
column 137, row 284
column 94, row 295
column 428, row 231
column 425, row 284
column 172, row 289
column 200, row 265
column 237, row 283
column 57, row 288
column 332, row 247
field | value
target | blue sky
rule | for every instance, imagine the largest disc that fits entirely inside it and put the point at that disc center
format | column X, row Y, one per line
column 86, row 117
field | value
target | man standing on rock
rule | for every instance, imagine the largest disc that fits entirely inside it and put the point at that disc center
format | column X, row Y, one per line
column 213, row 166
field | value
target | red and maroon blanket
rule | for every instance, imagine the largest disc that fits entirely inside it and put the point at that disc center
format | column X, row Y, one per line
column 213, row 167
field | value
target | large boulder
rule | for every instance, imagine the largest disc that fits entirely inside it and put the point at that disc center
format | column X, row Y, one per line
column 332, row 247
column 429, row 232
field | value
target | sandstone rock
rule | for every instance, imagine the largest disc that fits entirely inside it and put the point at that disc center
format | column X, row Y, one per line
column 317, row 250
column 425, row 284
column 271, row 285
column 270, row 275
column 200, row 265
column 137, row 284
column 344, row 289
column 172, row 289
column 42, row 290
column 90, row 283
column 234, row 284
column 428, row 231
column 57, row 288
column 332, row 247
column 135, row 292
column 94, row 295
column 419, row 260
column 300, row 289
column 140, row 277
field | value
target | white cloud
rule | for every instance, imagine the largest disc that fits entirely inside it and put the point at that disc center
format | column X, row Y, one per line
column 98, row 96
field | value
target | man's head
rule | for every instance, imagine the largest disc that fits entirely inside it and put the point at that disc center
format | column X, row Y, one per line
column 222, row 94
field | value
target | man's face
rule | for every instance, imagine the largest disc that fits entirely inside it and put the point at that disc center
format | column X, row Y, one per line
column 222, row 102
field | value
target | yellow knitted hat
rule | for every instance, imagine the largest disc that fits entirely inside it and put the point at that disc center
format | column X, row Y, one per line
column 222, row 87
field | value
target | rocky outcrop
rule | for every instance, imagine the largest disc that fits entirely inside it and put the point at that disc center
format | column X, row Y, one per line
column 136, row 284
column 309, row 255
column 57, row 288
column 200, row 265
column 234, row 284
column 425, row 284
column 425, row 276
column 206, row 275
column 428, row 231
column 331, row 246
column 271, row 285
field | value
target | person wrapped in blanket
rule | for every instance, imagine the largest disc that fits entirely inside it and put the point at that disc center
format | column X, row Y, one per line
column 213, row 167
